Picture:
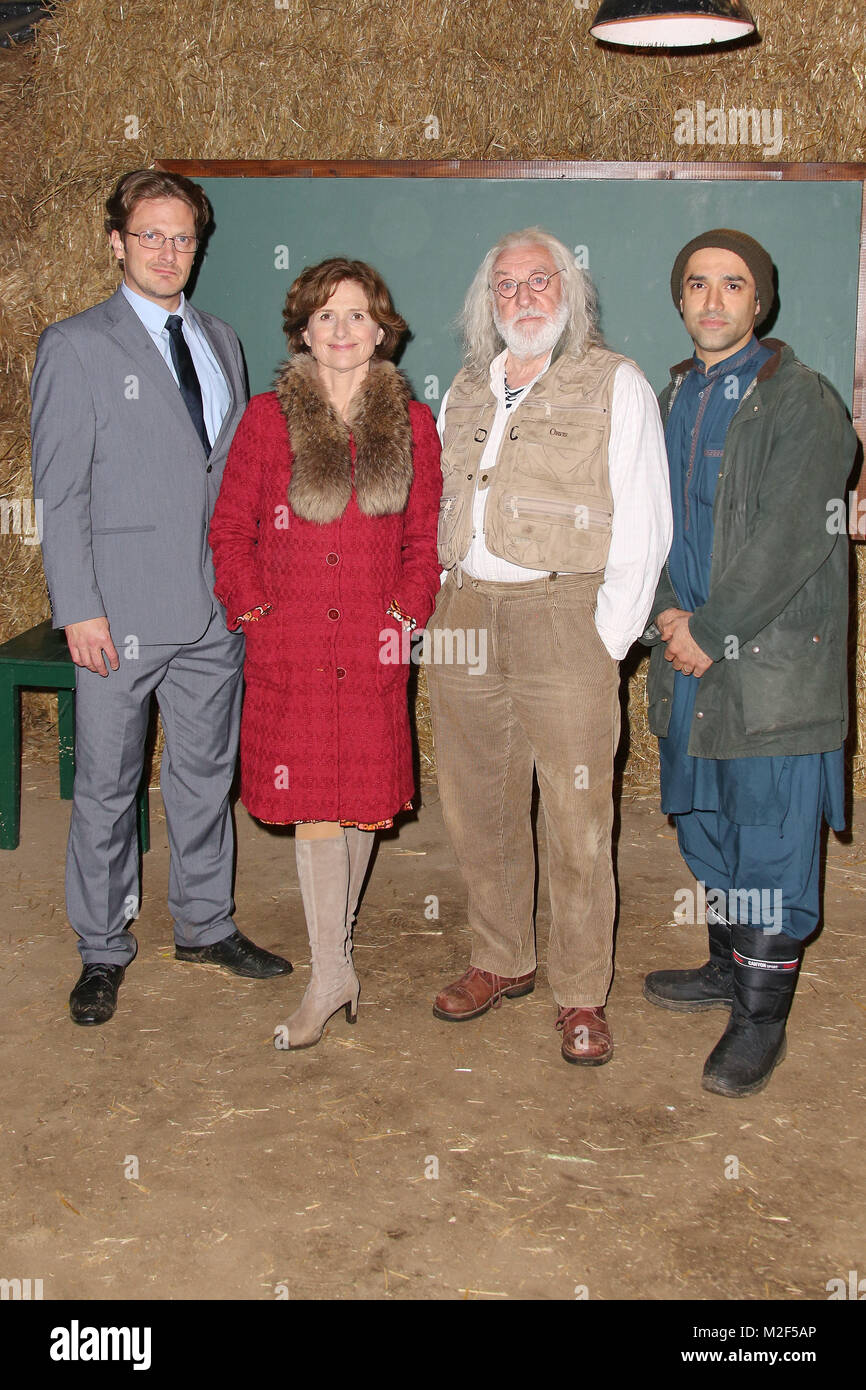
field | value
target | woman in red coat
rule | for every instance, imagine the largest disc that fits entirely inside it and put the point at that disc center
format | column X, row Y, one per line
column 324, row 543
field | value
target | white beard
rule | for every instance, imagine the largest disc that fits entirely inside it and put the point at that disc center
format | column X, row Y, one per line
column 532, row 342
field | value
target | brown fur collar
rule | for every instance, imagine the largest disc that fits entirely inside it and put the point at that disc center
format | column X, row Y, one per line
column 321, row 482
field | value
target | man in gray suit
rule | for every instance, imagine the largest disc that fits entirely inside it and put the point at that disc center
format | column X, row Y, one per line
column 135, row 403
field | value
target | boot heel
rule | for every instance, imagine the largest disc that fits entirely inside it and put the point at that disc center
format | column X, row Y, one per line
column 351, row 1012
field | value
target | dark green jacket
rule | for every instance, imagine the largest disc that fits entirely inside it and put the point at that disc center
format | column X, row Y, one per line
column 776, row 620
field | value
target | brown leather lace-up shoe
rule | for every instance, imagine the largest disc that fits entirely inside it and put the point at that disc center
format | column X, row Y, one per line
column 477, row 991
column 586, row 1037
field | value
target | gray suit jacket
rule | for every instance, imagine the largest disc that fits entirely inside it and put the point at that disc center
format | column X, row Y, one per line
column 126, row 490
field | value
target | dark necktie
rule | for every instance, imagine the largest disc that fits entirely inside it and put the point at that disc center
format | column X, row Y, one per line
column 186, row 376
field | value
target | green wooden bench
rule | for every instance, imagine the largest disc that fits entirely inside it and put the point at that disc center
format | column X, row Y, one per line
column 39, row 659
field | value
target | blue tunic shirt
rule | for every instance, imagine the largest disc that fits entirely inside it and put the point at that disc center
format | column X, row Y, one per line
column 747, row 791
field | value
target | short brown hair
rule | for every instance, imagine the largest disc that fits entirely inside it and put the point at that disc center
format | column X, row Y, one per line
column 152, row 183
column 314, row 287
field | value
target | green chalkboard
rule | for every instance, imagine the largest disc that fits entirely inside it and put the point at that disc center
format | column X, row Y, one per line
column 427, row 235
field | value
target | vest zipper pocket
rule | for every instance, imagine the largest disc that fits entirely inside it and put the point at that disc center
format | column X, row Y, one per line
column 550, row 409
column 561, row 513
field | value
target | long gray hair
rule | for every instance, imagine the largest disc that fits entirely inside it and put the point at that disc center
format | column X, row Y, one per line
column 481, row 339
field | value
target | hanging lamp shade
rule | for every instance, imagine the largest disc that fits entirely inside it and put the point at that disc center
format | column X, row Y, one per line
column 671, row 23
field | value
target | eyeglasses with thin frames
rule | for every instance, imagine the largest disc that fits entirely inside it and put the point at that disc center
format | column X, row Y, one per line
column 154, row 241
column 538, row 283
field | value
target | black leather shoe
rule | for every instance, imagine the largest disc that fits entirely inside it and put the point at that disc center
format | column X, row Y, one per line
column 94, row 998
column 239, row 955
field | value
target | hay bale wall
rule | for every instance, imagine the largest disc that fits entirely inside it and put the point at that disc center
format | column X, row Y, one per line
column 115, row 84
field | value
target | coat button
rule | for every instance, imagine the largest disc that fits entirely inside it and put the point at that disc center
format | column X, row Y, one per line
column 469, row 477
column 340, row 673
column 756, row 649
column 332, row 559
column 484, row 477
column 333, row 614
column 816, row 638
column 209, row 468
column 700, row 714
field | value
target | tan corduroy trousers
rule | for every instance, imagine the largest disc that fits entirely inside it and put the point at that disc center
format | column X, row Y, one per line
column 544, row 696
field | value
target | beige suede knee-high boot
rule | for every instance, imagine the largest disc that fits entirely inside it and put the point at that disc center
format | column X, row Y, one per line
column 324, row 873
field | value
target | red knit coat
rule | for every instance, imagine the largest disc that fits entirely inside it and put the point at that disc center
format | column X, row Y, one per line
column 325, row 728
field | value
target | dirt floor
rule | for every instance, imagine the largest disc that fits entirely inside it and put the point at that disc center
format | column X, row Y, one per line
column 175, row 1154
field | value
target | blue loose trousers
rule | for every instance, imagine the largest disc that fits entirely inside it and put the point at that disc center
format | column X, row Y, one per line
column 769, row 874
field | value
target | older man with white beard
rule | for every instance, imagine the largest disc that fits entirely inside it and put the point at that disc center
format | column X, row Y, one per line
column 555, row 524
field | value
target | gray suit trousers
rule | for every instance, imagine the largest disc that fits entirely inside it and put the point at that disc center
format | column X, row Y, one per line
column 198, row 689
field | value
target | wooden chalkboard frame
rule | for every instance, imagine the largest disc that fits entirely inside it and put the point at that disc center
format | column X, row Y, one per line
column 573, row 170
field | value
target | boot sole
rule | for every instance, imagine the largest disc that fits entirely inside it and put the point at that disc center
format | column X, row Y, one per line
column 518, row 993
column 686, row 1006
column 711, row 1084
column 586, row 1061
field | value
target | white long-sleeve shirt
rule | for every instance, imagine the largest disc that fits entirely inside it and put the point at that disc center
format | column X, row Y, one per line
column 642, row 527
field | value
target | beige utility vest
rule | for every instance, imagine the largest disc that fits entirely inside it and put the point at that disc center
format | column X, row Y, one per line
column 550, row 505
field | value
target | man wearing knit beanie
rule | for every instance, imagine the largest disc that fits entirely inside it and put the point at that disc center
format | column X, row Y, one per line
column 747, row 687
column 748, row 250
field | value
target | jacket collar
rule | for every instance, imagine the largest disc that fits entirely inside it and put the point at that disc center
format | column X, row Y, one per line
column 324, row 471
column 779, row 350
column 127, row 329
column 129, row 332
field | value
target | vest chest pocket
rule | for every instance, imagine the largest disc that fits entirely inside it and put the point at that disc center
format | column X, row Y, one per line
column 564, row 446
column 465, row 438
column 552, row 533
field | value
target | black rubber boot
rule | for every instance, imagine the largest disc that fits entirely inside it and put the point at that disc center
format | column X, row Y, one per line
column 710, row 987
column 765, row 978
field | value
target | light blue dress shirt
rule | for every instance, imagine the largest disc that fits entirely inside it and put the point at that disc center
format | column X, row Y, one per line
column 215, row 394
